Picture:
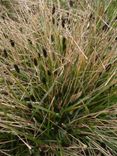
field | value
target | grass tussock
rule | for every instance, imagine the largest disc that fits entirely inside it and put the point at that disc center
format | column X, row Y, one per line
column 58, row 78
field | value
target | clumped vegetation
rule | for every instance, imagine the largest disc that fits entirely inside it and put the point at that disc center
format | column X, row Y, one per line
column 58, row 78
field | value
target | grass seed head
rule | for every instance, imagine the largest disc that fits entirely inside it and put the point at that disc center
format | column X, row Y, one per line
column 35, row 62
column 12, row 43
column 71, row 3
column 53, row 9
column 16, row 68
column 32, row 98
column 5, row 53
column 44, row 52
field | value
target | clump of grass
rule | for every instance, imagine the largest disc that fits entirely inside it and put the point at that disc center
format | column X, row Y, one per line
column 58, row 83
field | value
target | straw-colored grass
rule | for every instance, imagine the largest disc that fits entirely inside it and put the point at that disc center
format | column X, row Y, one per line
column 58, row 76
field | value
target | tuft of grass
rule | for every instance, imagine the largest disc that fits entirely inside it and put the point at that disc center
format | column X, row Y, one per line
column 58, row 78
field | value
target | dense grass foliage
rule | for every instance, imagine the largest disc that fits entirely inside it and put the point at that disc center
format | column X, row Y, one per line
column 58, row 78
